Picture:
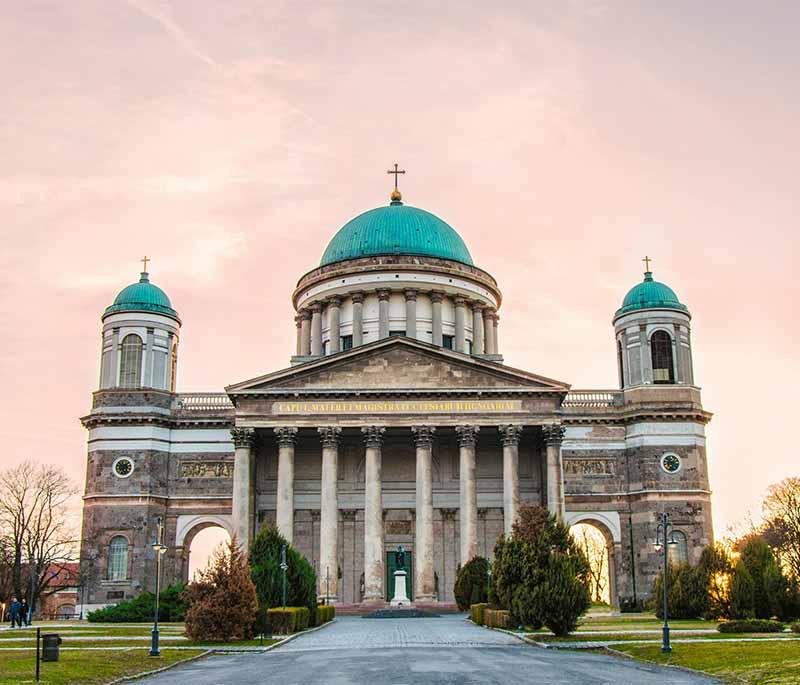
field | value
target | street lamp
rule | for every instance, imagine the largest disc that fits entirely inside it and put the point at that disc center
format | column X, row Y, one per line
column 160, row 549
column 664, row 539
column 284, row 567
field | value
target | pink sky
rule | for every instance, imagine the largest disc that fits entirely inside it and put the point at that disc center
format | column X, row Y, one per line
column 564, row 141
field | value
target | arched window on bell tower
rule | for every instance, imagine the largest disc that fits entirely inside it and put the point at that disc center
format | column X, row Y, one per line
column 661, row 354
column 130, row 365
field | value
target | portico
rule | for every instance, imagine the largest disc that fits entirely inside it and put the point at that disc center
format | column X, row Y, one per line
column 399, row 457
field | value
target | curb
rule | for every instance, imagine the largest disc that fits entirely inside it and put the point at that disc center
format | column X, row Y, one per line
column 684, row 669
column 145, row 674
column 281, row 641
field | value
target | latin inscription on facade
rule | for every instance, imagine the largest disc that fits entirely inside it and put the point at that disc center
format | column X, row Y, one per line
column 590, row 467
column 399, row 407
column 206, row 469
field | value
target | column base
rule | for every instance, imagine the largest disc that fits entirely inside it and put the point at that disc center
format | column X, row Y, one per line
column 424, row 599
column 377, row 599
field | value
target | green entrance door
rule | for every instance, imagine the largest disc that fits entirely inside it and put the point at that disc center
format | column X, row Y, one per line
column 391, row 567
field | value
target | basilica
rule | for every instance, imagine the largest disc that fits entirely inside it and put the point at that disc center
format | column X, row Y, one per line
column 396, row 422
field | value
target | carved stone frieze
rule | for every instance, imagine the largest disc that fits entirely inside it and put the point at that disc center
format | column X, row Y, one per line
column 206, row 469
column 590, row 467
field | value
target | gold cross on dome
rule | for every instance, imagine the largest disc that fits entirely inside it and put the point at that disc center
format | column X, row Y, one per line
column 647, row 261
column 144, row 261
column 396, row 171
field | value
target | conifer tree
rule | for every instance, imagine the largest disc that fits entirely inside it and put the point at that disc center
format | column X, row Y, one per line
column 222, row 602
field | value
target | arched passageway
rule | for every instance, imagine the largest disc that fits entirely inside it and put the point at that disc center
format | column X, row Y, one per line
column 196, row 539
column 599, row 537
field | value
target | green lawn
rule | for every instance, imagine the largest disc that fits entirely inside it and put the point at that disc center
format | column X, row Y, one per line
column 85, row 667
column 773, row 663
column 639, row 637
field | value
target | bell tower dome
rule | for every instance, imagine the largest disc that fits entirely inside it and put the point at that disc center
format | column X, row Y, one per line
column 140, row 339
column 653, row 336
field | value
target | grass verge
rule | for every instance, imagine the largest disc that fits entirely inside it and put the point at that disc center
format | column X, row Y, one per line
column 86, row 667
column 773, row 662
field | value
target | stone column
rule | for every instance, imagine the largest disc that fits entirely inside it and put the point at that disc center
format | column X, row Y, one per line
column 284, row 514
column 329, row 514
column 495, row 333
column 333, row 324
column 113, row 375
column 461, row 324
column 373, row 515
column 477, row 329
column 436, row 302
column 510, row 436
column 298, row 322
column 243, row 497
column 645, row 355
column 468, row 513
column 411, row 313
column 358, row 319
column 316, row 329
column 305, row 332
column 488, row 331
column 383, row 313
column 554, row 435
column 424, row 581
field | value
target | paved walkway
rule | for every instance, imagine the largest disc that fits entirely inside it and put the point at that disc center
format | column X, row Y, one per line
column 445, row 650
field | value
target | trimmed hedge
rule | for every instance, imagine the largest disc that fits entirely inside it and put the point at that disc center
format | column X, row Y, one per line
column 287, row 620
column 497, row 618
column 472, row 583
column 476, row 613
column 325, row 613
column 172, row 605
column 751, row 625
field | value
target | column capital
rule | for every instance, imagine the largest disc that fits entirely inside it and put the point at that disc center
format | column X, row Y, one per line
column 334, row 301
column 489, row 313
column 553, row 433
column 357, row 296
column 467, row 435
column 298, row 319
column 329, row 435
column 305, row 313
column 411, row 294
column 460, row 301
column 243, row 437
column 373, row 435
column 423, row 435
column 384, row 294
column 510, row 434
column 448, row 514
column 286, row 436
column 436, row 295
column 348, row 514
column 316, row 307
column 477, row 306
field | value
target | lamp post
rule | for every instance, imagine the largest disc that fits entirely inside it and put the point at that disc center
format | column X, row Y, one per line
column 665, row 538
column 284, row 567
column 160, row 548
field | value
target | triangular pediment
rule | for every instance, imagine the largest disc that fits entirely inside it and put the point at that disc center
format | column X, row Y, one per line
column 396, row 364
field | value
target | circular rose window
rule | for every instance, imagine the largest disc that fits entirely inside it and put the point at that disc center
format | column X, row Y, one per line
column 123, row 467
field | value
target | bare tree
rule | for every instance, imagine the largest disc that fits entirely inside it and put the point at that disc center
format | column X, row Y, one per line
column 781, row 528
column 593, row 544
column 36, row 533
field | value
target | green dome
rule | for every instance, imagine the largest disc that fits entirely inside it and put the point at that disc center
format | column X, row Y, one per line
column 650, row 294
column 393, row 230
column 142, row 297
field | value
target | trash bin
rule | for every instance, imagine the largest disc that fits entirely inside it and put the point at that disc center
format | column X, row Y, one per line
column 50, row 644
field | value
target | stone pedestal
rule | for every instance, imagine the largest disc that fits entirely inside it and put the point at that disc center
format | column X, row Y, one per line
column 400, row 598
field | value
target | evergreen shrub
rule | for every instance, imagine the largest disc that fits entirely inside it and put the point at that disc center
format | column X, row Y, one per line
column 476, row 613
column 287, row 620
column 471, row 583
column 540, row 574
column 795, row 627
column 629, row 605
column 759, row 588
column 751, row 625
column 687, row 594
column 172, row 607
column 265, row 565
